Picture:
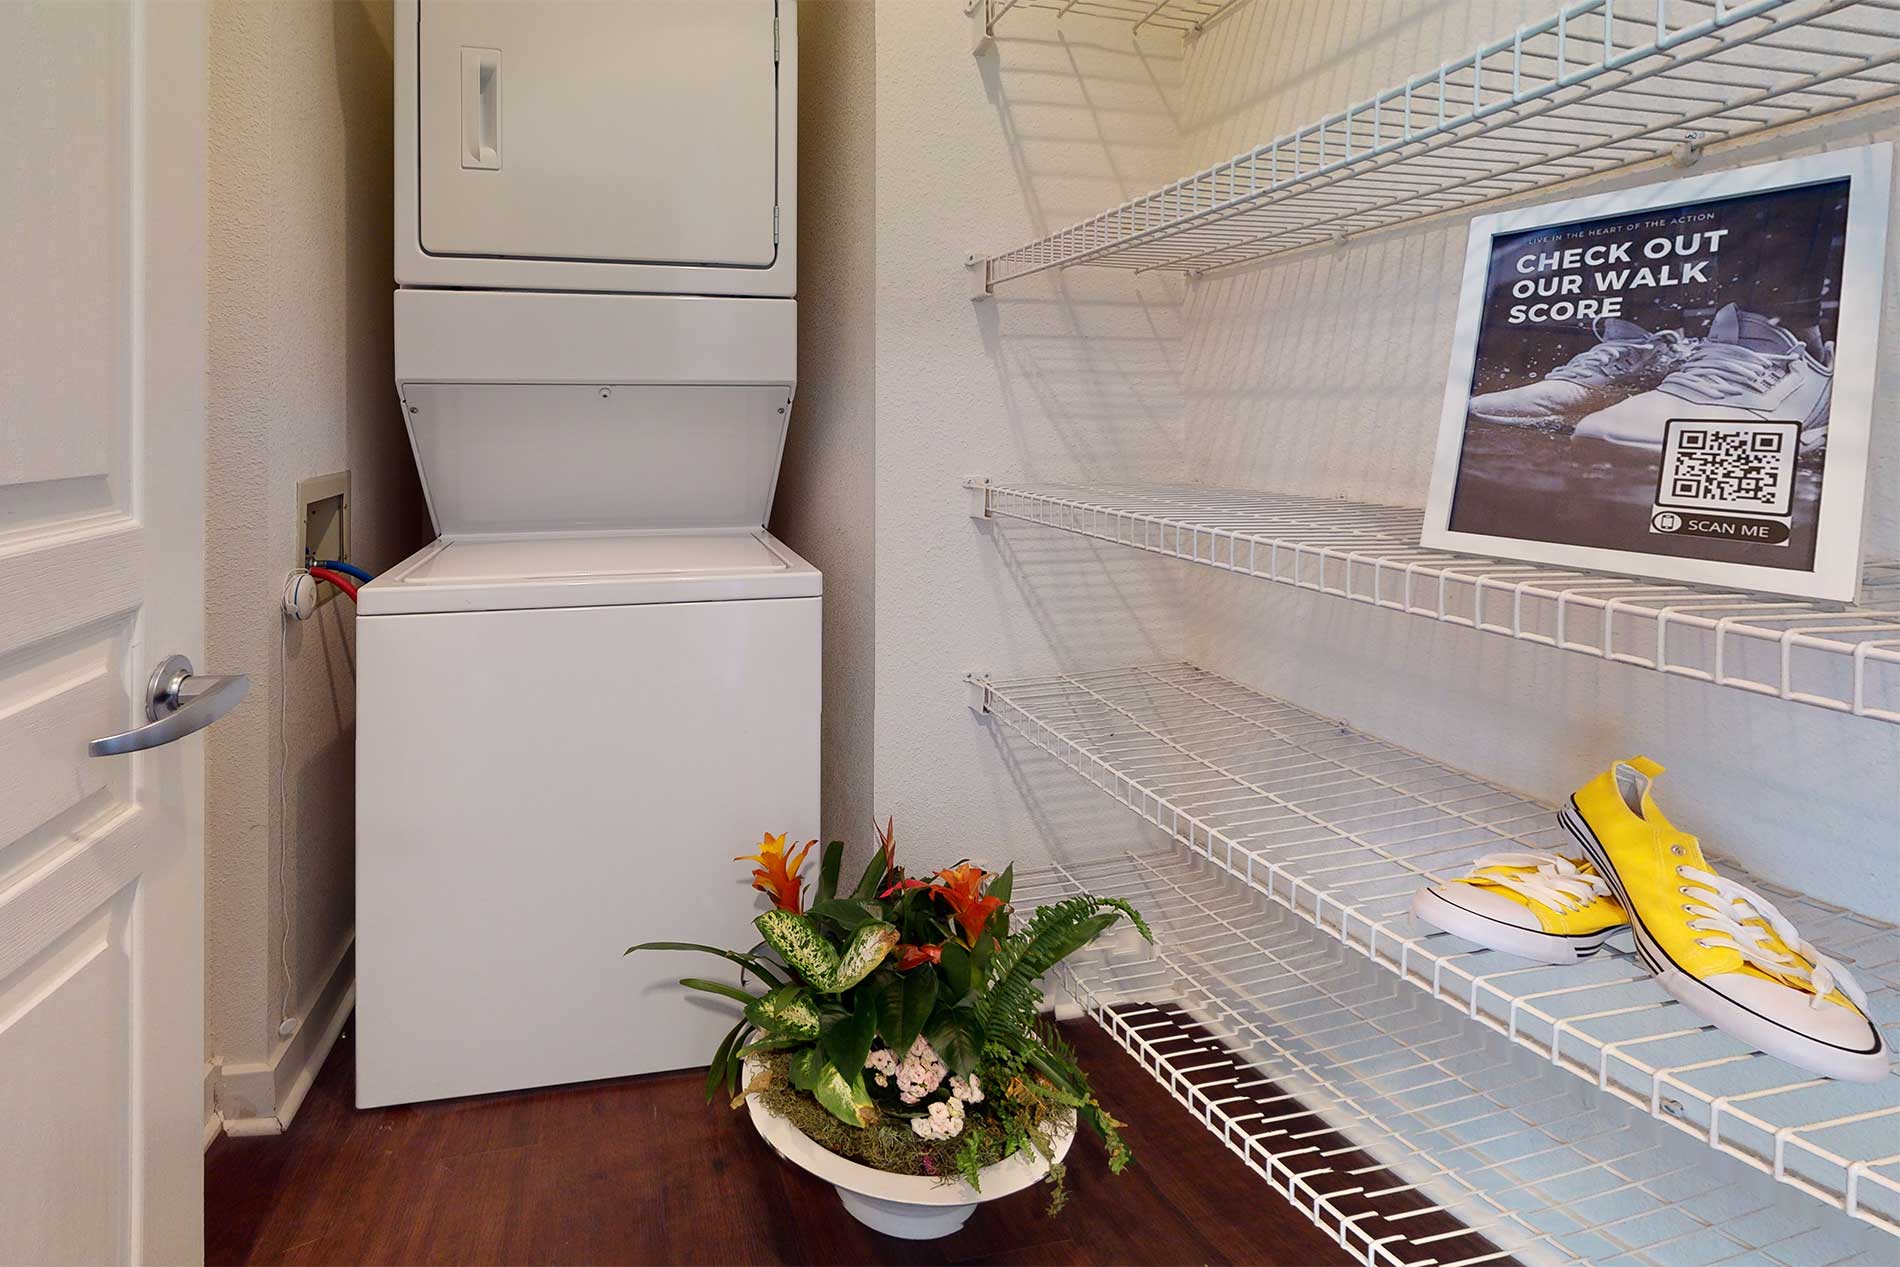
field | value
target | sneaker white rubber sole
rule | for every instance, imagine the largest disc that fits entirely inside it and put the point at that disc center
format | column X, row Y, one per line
column 1536, row 422
column 1760, row 1032
column 1494, row 934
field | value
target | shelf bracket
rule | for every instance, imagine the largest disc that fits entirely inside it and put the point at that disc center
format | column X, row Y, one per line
column 982, row 36
column 979, row 275
column 979, row 486
column 978, row 686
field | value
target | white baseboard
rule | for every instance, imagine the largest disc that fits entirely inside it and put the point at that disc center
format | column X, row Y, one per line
column 262, row 1097
column 214, row 1123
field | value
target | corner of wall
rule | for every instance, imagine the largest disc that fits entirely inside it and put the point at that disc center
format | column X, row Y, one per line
column 301, row 383
column 827, row 478
column 1056, row 378
column 261, row 1097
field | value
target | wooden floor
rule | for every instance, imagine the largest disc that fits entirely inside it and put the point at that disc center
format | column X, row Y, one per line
column 643, row 1170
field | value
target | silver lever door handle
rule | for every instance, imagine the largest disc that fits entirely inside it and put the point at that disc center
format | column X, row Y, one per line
column 178, row 702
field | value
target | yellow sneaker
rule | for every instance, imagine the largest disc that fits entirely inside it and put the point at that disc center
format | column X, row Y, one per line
column 1721, row 950
column 1539, row 906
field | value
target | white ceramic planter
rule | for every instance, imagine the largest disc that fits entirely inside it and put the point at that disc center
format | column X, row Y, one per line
column 915, row 1207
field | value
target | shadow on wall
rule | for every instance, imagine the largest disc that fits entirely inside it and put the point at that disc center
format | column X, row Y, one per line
column 1094, row 81
column 1317, row 84
column 1075, row 820
column 1092, row 603
column 1081, row 604
column 388, row 509
column 1103, row 375
column 1054, row 378
column 1094, row 361
column 1322, row 372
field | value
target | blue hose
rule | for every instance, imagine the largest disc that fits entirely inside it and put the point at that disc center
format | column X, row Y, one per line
column 348, row 569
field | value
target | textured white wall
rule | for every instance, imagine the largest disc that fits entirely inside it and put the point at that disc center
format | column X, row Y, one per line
column 1322, row 373
column 300, row 385
column 826, row 483
column 1058, row 378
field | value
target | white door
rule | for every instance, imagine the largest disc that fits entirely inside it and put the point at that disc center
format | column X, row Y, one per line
column 102, row 361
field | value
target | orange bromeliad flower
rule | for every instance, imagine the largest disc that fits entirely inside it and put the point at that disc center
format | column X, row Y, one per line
column 887, row 841
column 776, row 876
column 962, row 888
column 909, row 956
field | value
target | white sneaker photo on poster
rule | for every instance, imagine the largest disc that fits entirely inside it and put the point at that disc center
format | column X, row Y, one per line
column 1674, row 381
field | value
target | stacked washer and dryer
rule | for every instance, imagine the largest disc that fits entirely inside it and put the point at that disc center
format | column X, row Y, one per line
column 601, row 681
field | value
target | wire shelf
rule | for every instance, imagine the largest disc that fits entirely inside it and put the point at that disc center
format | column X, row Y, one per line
column 1187, row 17
column 1602, row 85
column 1340, row 829
column 1307, row 1062
column 1846, row 659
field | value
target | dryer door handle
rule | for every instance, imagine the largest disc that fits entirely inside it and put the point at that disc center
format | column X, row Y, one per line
column 481, row 109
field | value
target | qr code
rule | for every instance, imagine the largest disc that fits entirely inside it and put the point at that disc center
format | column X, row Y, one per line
column 1746, row 467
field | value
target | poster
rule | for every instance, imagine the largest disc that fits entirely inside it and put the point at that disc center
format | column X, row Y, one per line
column 1673, row 381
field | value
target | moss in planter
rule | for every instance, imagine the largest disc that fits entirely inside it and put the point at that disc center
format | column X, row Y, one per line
column 890, row 1145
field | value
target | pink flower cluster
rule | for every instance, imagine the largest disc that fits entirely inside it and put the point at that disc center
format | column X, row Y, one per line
column 944, row 1122
column 883, row 1066
column 919, row 1075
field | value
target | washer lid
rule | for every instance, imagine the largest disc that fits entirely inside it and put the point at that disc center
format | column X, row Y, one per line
column 502, row 573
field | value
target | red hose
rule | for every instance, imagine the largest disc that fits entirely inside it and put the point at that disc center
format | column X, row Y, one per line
column 337, row 579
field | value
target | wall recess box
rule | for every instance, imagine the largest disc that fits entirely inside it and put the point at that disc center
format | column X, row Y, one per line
column 323, row 523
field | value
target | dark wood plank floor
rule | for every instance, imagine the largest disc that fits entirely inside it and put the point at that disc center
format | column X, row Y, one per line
column 642, row 1170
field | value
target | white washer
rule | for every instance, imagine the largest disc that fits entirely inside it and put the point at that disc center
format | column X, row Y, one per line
column 562, row 742
column 602, row 682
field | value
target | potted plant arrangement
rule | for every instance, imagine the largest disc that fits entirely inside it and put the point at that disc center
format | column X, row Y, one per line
column 892, row 1042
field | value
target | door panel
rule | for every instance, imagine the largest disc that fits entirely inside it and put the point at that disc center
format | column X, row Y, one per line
column 64, row 1035
column 101, row 572
column 51, row 704
column 599, row 131
column 64, row 99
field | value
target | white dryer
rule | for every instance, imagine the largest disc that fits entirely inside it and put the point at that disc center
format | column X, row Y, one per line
column 602, row 681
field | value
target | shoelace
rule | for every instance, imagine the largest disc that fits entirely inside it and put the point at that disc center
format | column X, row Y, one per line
column 1602, row 360
column 1721, row 368
column 1727, row 916
column 1610, row 356
column 1553, row 880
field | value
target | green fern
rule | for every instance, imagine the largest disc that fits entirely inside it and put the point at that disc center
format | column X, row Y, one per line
column 1010, row 999
column 970, row 1160
column 1056, row 1047
column 1056, row 1060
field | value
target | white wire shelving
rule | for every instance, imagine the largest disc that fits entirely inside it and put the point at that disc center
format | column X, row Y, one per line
column 1602, row 85
column 1185, row 17
column 1846, row 659
column 1339, row 829
column 1307, row 1061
